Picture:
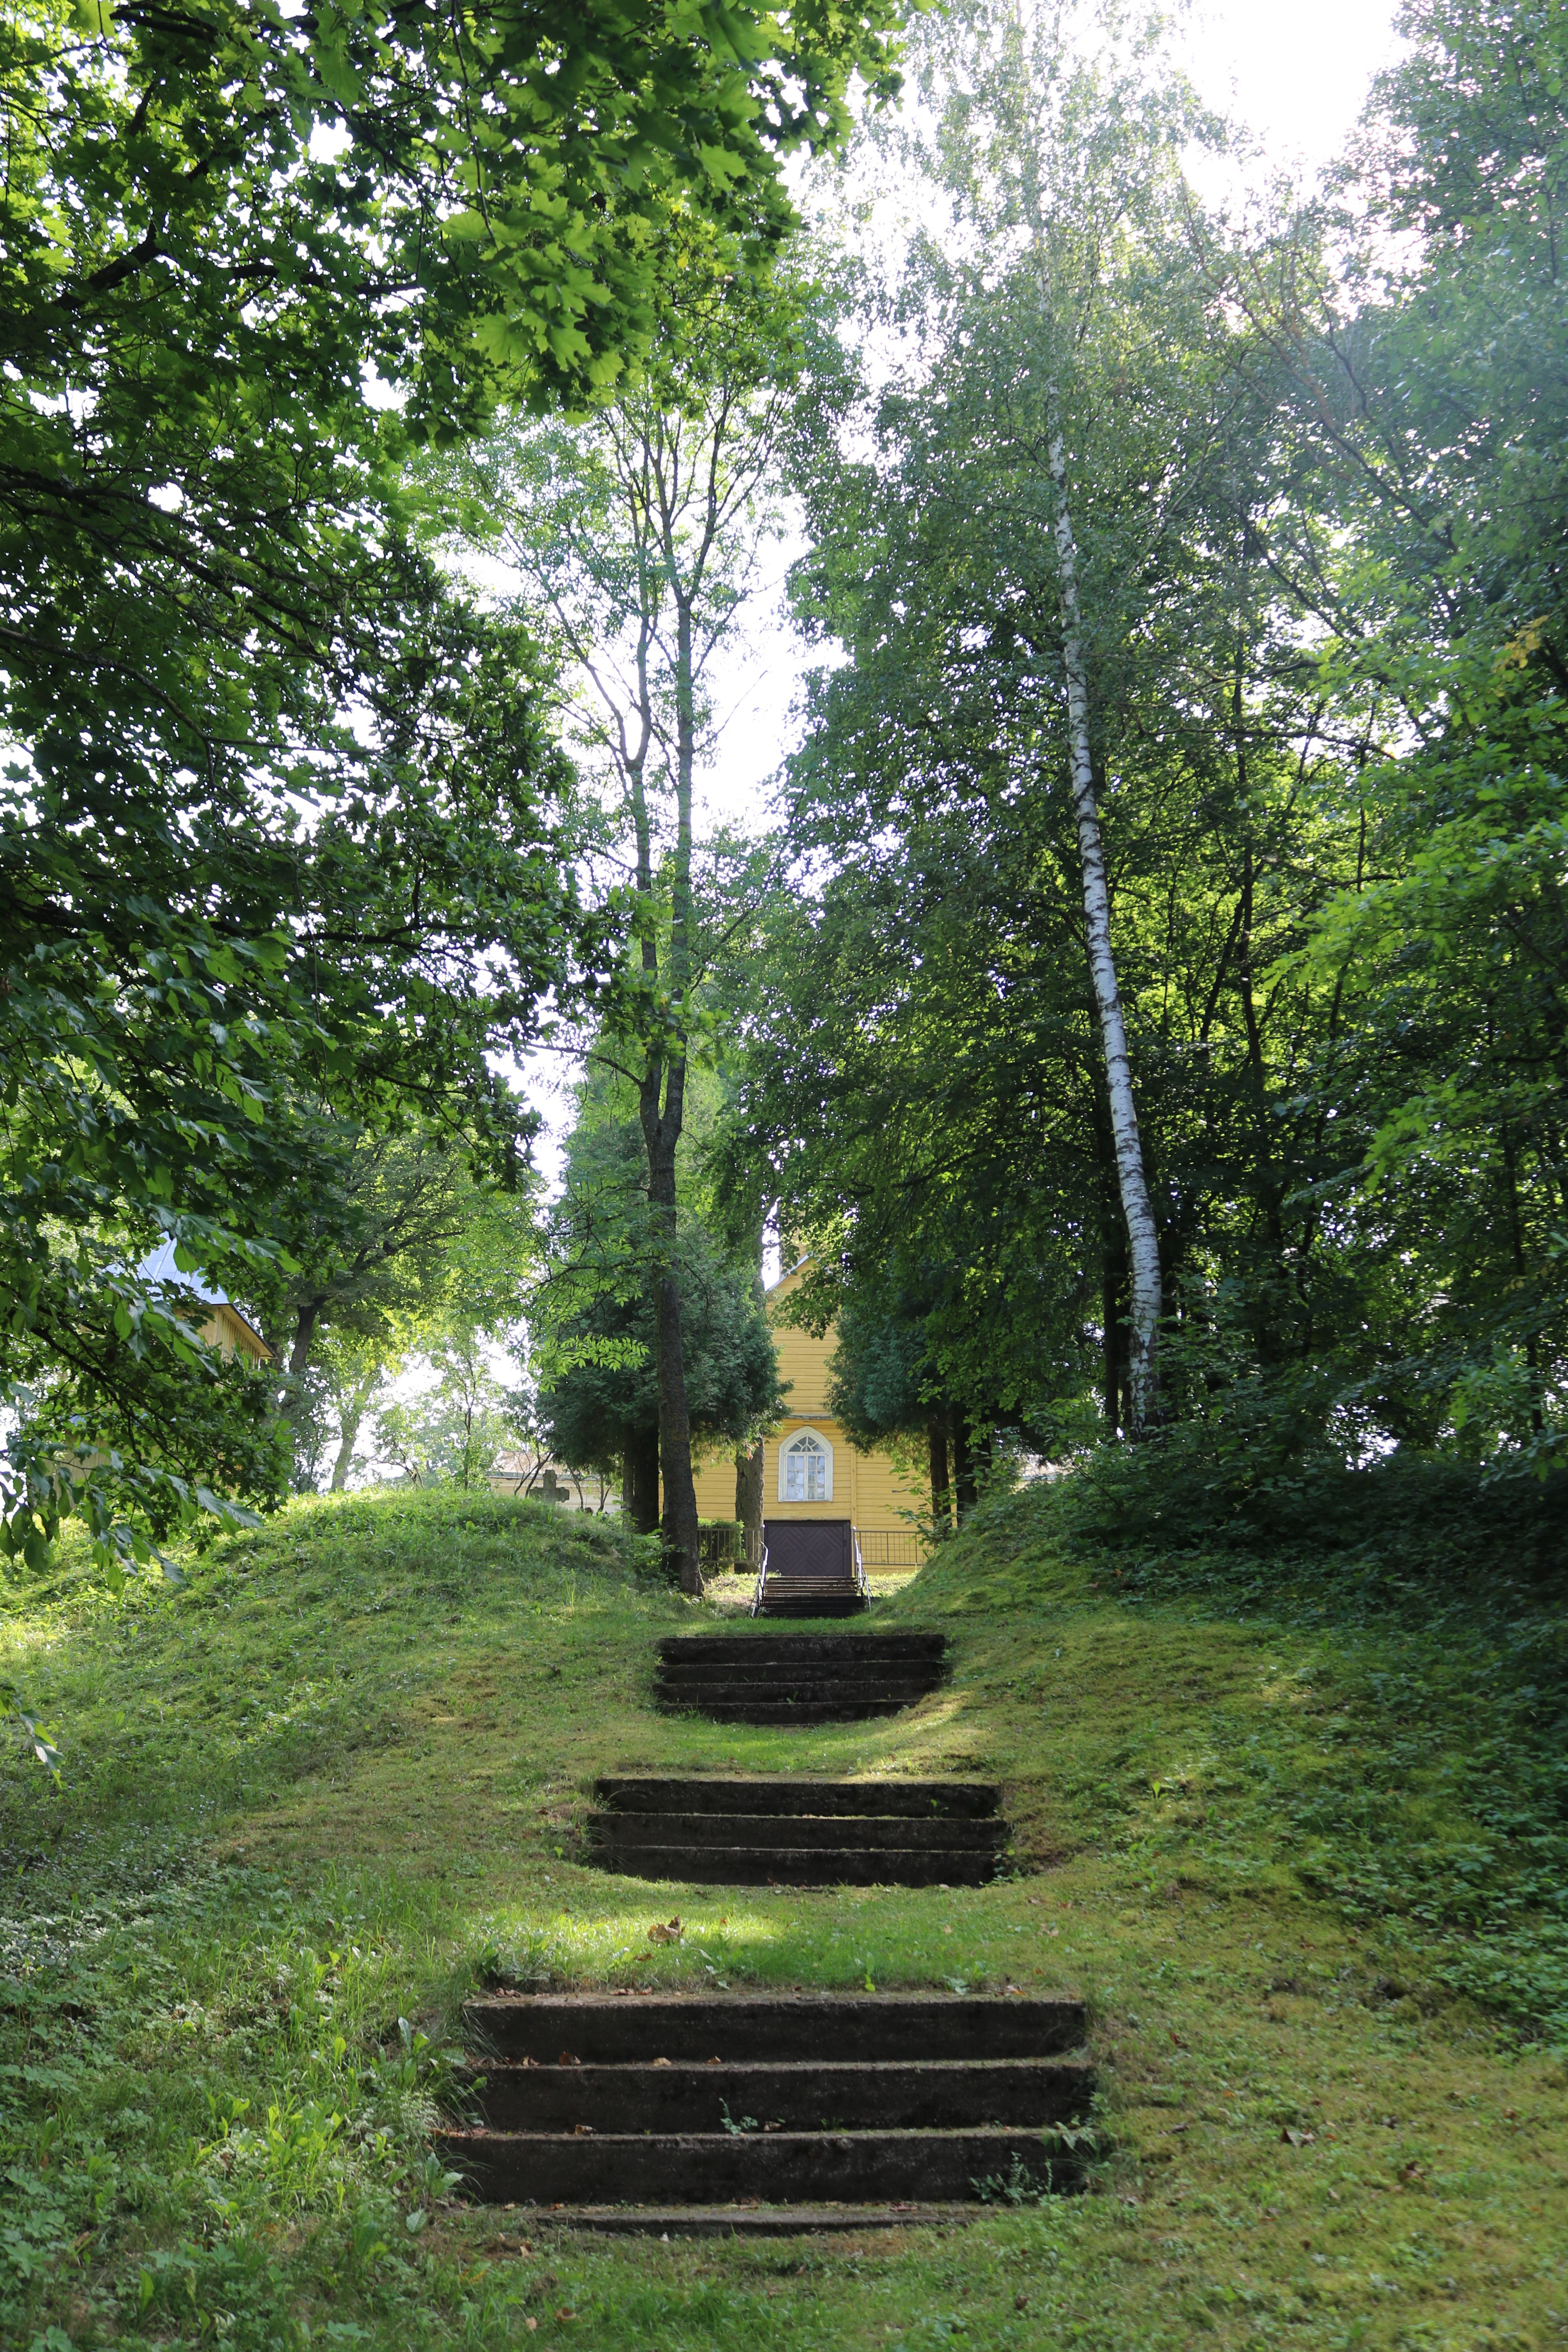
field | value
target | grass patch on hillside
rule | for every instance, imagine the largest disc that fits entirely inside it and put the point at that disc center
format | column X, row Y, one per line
column 309, row 1801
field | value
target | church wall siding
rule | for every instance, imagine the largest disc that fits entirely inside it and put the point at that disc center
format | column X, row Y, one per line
column 867, row 1487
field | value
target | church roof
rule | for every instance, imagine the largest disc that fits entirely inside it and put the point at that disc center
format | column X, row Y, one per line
column 158, row 1271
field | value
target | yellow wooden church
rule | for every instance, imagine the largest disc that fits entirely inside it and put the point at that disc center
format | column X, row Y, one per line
column 810, row 1470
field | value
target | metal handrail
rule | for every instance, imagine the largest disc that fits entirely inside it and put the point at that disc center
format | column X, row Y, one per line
column 760, row 1585
column 862, row 1581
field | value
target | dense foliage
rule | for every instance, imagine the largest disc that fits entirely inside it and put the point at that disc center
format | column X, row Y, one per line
column 596, row 1326
column 283, row 842
column 1318, row 479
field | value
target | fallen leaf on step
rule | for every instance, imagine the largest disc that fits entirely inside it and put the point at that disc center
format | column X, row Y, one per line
column 664, row 2061
column 715, row 2062
column 584, row 2131
column 567, row 2059
column 670, row 1934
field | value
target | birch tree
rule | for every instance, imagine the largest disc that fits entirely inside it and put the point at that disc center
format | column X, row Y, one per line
column 1057, row 139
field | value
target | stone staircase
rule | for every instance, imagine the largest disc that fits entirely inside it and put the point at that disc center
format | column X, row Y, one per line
column 717, row 1832
column 811, row 1567
column 795, row 1678
column 766, row 2113
column 803, row 1594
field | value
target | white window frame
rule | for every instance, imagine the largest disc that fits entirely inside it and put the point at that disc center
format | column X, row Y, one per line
column 806, row 1444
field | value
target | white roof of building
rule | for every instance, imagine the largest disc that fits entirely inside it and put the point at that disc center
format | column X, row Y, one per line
column 160, row 1268
column 160, row 1271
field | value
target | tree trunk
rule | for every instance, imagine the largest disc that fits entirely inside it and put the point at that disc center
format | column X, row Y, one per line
column 661, row 1125
column 940, row 1493
column 749, row 1504
column 1112, row 1270
column 350, row 1418
column 639, row 1483
column 305, row 1321
column 1137, row 1209
column 962, row 1465
column 681, row 1539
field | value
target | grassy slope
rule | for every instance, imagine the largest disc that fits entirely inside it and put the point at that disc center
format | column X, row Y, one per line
column 343, row 1771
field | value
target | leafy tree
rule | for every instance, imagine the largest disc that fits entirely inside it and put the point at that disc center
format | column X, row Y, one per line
column 595, row 1324
column 1066, row 151
column 1420, row 399
column 638, row 537
column 221, row 229
column 1320, row 540
column 451, row 1434
column 966, row 925
column 168, row 979
column 406, row 1246
column 602, row 1409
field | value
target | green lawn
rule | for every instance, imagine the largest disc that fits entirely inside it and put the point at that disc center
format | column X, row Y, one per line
column 1309, row 1875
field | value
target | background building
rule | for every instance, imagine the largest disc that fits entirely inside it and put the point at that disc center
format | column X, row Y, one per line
column 810, row 1470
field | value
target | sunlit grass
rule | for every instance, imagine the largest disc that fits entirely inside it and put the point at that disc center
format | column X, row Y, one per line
column 311, row 1802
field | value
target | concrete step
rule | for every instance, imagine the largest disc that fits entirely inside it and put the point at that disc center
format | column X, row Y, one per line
column 800, row 1649
column 701, row 2168
column 802, row 1685
column 806, row 1604
column 815, row 1580
column 894, row 1830
column 753, row 2220
column 925, row 1671
column 601, row 2028
column 716, row 1794
column 785, row 1714
column 795, row 1865
column 922, row 2095
column 758, row 1695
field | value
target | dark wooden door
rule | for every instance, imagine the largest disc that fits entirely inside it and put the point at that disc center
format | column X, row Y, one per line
column 809, row 1547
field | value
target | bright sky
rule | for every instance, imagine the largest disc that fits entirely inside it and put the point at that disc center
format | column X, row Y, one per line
column 1296, row 76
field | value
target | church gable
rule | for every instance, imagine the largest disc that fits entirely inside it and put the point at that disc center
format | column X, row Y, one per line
column 810, row 1470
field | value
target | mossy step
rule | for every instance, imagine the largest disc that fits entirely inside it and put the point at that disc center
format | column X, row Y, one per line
column 611, row 2029
column 752, row 2221
column 786, row 1714
column 810, row 1605
column 795, row 1682
column 701, row 2168
column 639, row 1792
column 799, row 1648
column 797, row 1865
column 820, row 1830
column 662, row 2094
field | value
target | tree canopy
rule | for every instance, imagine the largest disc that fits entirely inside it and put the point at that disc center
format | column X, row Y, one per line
column 1317, row 498
column 279, row 796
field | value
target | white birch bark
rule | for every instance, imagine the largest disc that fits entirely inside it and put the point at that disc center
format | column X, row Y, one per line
column 1143, row 1240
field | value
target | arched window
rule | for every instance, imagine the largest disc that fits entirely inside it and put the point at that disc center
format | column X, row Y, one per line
column 805, row 1469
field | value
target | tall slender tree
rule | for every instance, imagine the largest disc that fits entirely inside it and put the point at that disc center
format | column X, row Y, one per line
column 639, row 537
